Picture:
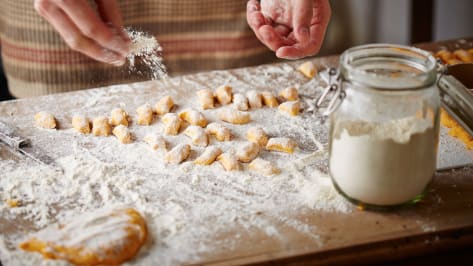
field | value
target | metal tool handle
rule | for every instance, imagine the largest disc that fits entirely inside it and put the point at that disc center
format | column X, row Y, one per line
column 334, row 93
column 7, row 135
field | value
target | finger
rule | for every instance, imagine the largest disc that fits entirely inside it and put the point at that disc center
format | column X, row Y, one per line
column 89, row 23
column 110, row 12
column 299, row 50
column 254, row 16
column 282, row 30
column 302, row 16
column 77, row 41
column 272, row 39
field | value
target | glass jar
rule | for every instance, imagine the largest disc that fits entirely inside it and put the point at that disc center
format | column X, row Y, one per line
column 384, row 134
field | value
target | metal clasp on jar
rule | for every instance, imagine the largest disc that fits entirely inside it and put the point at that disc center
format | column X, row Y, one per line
column 333, row 94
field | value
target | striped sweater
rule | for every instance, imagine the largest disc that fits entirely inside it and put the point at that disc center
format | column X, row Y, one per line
column 196, row 35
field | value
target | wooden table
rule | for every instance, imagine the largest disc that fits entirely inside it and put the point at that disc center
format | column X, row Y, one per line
column 440, row 224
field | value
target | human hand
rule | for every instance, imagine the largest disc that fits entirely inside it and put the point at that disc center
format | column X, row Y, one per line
column 292, row 28
column 97, row 35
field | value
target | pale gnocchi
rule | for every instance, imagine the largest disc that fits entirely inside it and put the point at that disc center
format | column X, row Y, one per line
column 81, row 123
column 178, row 154
column 264, row 167
column 193, row 117
column 281, row 144
column 206, row 99
column 221, row 132
column 172, row 123
column 101, row 126
column 255, row 99
column 224, row 94
column 247, row 152
column 208, row 156
column 164, row 105
column 234, row 116
column 45, row 120
column 198, row 135
column 123, row 134
column 308, row 69
column 229, row 161
column 240, row 102
column 118, row 116
column 257, row 135
column 291, row 108
column 289, row 94
column 145, row 115
column 269, row 99
column 155, row 141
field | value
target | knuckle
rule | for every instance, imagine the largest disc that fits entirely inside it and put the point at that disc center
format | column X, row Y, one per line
column 42, row 6
column 90, row 31
column 75, row 42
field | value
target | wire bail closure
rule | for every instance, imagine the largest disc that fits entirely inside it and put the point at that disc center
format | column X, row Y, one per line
column 334, row 93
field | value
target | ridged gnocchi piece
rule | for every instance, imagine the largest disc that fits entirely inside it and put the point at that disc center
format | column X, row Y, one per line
column 193, row 117
column 234, row 116
column 269, row 99
column 198, row 135
column 178, row 154
column 164, row 105
column 291, row 108
column 247, row 152
column 105, row 237
column 257, row 135
column 255, row 99
column 240, row 102
column 118, row 116
column 123, row 134
column 206, row 99
column 224, row 94
column 308, row 69
column 145, row 115
column 221, row 132
column 81, row 123
column 281, row 144
column 229, row 161
column 463, row 56
column 155, row 141
column 289, row 94
column 45, row 120
column 264, row 167
column 208, row 156
column 172, row 123
column 101, row 126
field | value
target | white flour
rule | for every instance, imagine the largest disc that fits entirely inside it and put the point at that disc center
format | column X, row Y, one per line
column 383, row 164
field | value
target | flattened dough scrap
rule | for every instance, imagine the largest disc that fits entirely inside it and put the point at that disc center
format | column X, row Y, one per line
column 264, row 167
column 45, row 120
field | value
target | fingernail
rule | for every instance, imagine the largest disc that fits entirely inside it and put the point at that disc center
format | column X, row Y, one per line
column 120, row 45
column 113, row 58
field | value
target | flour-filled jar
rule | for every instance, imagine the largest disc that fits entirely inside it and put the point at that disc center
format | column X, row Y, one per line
column 384, row 130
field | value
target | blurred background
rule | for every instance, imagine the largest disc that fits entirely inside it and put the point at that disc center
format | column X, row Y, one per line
column 387, row 21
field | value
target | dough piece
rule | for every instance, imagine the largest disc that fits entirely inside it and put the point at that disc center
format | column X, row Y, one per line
column 470, row 51
column 229, row 161
column 45, row 120
column 178, row 153
column 308, row 69
column 257, row 135
column 155, row 141
column 247, row 152
column 206, row 99
column 172, row 123
column 193, row 117
column 264, row 167
column 234, row 116
column 463, row 56
column 164, row 105
column 240, row 102
column 145, row 115
column 108, row 237
column 221, row 132
column 101, row 126
column 123, row 134
column 281, row 144
column 269, row 99
column 289, row 94
column 81, row 124
column 291, row 108
column 208, row 156
column 224, row 94
column 119, row 116
column 197, row 135
column 254, row 99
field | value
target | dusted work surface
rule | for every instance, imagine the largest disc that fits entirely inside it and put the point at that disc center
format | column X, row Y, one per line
column 202, row 214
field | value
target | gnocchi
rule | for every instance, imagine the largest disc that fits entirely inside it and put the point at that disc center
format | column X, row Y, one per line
column 164, row 105
column 264, row 167
column 240, row 102
column 119, row 116
column 81, row 124
column 178, row 154
column 257, row 135
column 229, row 161
column 206, row 99
column 308, row 69
column 247, row 152
column 101, row 126
column 172, row 123
column 463, row 56
column 193, row 117
column 155, row 141
column 254, row 99
column 269, row 99
column 234, row 116
column 224, row 94
column 45, row 120
column 123, row 134
column 281, row 144
column 197, row 135
column 221, row 132
column 208, row 156
column 289, row 94
column 145, row 115
column 291, row 108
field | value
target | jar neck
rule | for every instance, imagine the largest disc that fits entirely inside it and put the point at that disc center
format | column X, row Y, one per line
column 388, row 67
